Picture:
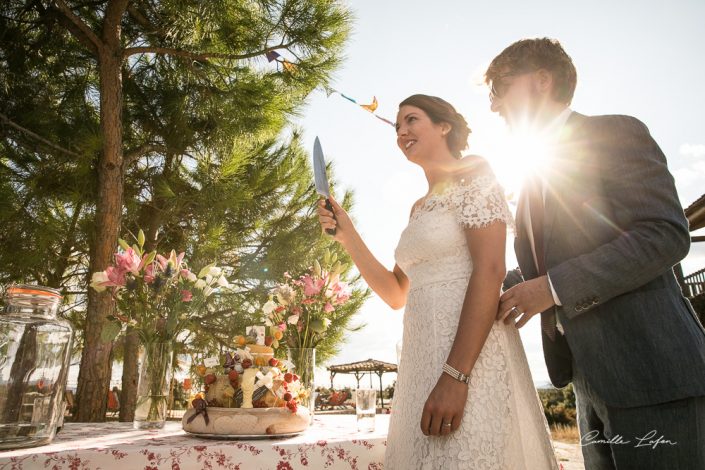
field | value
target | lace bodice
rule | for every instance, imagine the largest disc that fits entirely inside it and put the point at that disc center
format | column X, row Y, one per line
column 503, row 426
column 433, row 246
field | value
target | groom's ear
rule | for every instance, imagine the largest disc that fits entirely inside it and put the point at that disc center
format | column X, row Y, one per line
column 544, row 81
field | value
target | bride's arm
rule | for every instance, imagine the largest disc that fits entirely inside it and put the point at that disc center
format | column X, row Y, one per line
column 446, row 402
column 391, row 286
column 487, row 247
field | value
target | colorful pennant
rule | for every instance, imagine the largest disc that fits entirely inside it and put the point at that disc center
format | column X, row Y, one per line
column 372, row 107
column 273, row 56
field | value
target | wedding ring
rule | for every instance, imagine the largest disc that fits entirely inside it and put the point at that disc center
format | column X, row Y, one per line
column 514, row 309
column 447, row 424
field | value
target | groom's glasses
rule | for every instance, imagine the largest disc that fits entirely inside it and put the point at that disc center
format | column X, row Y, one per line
column 498, row 87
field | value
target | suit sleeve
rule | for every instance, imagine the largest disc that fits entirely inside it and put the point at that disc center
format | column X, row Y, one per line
column 653, row 231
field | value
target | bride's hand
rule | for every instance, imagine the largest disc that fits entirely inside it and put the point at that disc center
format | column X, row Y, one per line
column 341, row 222
column 444, row 405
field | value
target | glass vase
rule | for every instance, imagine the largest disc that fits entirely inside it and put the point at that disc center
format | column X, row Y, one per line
column 304, row 360
column 153, row 387
column 35, row 349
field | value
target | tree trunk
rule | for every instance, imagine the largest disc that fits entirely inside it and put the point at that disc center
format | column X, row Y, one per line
column 130, row 376
column 94, row 375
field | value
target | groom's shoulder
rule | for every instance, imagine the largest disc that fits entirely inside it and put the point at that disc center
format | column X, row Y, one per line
column 611, row 124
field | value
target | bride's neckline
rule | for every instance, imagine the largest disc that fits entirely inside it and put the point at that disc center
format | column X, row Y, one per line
column 445, row 187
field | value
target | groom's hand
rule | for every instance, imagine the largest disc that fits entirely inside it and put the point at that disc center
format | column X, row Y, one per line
column 525, row 300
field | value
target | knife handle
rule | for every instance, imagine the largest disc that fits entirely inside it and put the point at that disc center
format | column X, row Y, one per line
column 330, row 231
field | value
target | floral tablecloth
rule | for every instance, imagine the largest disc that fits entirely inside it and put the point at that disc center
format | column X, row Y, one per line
column 331, row 442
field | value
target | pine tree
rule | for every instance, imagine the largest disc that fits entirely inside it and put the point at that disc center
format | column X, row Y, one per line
column 154, row 86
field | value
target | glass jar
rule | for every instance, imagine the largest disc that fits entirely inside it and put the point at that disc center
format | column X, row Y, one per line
column 35, row 349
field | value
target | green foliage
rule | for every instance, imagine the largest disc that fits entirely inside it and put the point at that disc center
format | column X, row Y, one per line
column 209, row 163
column 559, row 405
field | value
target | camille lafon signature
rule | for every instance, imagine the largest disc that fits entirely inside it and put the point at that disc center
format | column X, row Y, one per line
column 648, row 440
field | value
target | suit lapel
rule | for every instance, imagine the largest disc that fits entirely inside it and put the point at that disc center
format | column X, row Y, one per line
column 554, row 177
column 522, row 247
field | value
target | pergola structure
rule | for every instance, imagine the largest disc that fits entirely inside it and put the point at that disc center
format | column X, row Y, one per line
column 359, row 369
column 693, row 285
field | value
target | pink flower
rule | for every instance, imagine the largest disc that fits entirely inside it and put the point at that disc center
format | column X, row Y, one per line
column 311, row 286
column 149, row 273
column 173, row 259
column 282, row 326
column 116, row 277
column 186, row 295
column 328, row 307
column 128, row 261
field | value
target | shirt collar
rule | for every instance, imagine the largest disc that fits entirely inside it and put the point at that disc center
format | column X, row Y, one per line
column 554, row 128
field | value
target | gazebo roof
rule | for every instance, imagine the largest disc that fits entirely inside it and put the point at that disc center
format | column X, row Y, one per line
column 370, row 365
column 696, row 214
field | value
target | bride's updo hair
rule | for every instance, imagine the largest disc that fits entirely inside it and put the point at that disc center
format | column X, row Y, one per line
column 439, row 110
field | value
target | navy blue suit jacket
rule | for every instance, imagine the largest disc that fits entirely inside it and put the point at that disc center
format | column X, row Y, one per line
column 613, row 230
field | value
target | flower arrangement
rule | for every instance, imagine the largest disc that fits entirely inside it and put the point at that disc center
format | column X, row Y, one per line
column 155, row 294
column 300, row 308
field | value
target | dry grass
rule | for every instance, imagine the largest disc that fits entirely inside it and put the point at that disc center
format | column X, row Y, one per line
column 564, row 433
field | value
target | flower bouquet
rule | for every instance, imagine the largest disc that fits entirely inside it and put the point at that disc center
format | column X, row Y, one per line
column 301, row 309
column 158, row 296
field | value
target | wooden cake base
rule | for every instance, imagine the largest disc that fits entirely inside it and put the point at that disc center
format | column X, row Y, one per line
column 247, row 422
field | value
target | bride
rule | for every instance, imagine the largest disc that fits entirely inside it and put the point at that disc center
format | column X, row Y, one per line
column 464, row 397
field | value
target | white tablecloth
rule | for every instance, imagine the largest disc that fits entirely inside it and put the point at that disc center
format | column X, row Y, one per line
column 331, row 442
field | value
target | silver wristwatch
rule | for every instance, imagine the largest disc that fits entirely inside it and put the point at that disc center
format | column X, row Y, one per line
column 456, row 374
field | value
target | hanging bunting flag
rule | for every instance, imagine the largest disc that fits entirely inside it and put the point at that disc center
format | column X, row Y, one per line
column 371, row 107
column 272, row 55
column 291, row 68
column 385, row 120
column 347, row 97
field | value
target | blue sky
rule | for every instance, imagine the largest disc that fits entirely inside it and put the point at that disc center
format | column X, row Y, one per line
column 643, row 59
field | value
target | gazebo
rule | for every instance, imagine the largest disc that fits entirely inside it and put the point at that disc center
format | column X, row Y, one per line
column 693, row 285
column 359, row 369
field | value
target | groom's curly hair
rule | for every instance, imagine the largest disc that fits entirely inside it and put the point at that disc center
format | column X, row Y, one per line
column 528, row 55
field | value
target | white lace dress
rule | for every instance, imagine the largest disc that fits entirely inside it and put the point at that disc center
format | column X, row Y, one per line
column 503, row 425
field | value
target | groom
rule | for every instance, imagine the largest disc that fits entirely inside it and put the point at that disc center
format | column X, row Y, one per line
column 598, row 232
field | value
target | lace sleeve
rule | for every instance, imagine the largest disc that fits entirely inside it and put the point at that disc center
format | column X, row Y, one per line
column 480, row 202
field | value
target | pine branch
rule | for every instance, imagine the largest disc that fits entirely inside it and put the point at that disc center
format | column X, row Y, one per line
column 135, row 154
column 37, row 137
column 203, row 56
column 81, row 30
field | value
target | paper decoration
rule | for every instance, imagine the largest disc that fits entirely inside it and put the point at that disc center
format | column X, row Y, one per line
column 372, row 107
column 211, row 362
column 257, row 333
column 272, row 55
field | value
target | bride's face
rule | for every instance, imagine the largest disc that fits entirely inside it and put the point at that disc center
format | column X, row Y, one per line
column 417, row 136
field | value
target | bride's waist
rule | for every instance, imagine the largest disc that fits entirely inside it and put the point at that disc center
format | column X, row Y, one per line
column 424, row 276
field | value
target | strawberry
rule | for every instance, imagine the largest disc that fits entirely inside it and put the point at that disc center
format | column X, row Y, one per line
column 287, row 397
column 292, row 406
column 233, row 375
column 246, row 364
column 209, row 379
column 288, row 377
column 296, row 377
column 273, row 362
